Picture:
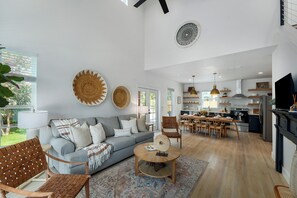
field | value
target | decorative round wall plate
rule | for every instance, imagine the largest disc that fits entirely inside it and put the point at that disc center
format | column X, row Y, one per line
column 188, row 34
column 89, row 87
column 121, row 97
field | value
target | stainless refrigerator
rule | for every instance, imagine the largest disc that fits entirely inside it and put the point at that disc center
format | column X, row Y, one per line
column 265, row 116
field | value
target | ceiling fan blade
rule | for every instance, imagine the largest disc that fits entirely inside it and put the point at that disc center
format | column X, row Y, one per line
column 164, row 6
column 139, row 3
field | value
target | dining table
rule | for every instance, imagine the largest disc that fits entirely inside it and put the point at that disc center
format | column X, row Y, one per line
column 192, row 118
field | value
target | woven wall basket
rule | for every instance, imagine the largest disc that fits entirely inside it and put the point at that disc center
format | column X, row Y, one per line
column 89, row 87
column 121, row 97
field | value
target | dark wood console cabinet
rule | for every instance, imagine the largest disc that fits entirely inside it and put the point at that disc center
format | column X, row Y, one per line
column 286, row 125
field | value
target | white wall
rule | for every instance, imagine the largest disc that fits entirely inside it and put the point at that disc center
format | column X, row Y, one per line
column 284, row 61
column 228, row 26
column 246, row 84
column 71, row 35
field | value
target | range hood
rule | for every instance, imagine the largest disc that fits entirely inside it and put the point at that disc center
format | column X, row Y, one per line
column 238, row 90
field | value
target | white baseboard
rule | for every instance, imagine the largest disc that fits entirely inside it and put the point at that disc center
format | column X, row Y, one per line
column 286, row 174
column 273, row 156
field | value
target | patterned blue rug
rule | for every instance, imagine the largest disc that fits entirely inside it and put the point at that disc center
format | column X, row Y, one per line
column 120, row 181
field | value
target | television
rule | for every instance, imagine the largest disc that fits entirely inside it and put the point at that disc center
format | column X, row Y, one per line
column 284, row 90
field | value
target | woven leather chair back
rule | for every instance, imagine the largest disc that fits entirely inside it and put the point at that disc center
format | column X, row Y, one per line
column 169, row 122
column 20, row 162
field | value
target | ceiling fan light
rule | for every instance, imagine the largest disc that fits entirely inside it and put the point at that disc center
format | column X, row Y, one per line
column 214, row 91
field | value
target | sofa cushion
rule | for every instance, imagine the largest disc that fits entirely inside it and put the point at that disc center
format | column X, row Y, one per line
column 122, row 132
column 98, row 133
column 125, row 117
column 140, row 137
column 141, row 124
column 119, row 143
column 89, row 121
column 109, row 124
column 81, row 136
column 130, row 124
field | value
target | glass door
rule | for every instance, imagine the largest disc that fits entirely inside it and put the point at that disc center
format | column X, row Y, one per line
column 149, row 98
column 170, row 102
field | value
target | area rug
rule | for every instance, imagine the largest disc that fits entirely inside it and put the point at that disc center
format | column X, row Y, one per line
column 120, row 181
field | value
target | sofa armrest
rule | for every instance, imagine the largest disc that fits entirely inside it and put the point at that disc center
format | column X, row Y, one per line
column 77, row 156
column 62, row 146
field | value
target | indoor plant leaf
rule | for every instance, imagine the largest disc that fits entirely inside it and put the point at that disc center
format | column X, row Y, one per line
column 4, row 69
column 3, row 102
column 15, row 78
column 5, row 91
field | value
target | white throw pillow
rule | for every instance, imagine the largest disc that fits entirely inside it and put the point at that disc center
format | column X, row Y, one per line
column 141, row 124
column 81, row 136
column 98, row 133
column 121, row 132
column 130, row 124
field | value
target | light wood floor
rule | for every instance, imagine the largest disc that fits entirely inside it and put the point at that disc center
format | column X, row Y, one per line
column 237, row 168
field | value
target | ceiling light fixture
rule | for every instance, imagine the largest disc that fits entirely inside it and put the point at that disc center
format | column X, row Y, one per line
column 260, row 73
column 193, row 92
column 214, row 90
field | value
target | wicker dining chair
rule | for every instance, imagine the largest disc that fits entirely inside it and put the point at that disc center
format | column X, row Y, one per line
column 171, row 129
column 20, row 162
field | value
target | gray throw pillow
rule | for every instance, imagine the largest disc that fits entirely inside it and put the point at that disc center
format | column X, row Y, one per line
column 141, row 124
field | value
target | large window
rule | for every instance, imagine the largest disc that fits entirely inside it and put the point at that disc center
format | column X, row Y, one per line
column 24, row 99
column 208, row 101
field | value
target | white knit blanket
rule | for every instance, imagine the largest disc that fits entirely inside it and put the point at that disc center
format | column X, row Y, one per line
column 63, row 127
column 97, row 153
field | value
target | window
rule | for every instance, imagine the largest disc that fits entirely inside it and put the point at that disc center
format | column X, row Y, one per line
column 208, row 101
column 24, row 99
column 125, row 2
column 170, row 96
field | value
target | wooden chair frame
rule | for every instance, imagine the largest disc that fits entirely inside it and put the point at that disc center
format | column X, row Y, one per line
column 39, row 165
column 169, row 122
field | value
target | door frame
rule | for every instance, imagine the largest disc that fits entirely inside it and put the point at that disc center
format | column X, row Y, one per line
column 158, row 110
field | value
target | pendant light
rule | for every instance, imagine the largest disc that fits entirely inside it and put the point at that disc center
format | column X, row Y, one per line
column 193, row 92
column 214, row 90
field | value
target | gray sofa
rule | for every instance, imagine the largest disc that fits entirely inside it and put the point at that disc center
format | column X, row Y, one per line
column 122, row 147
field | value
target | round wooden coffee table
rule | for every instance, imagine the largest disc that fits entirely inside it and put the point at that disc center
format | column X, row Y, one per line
column 144, row 160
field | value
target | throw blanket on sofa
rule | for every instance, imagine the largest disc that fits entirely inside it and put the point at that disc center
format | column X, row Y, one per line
column 63, row 127
column 97, row 153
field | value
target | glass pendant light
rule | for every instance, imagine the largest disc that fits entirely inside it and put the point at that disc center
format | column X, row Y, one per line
column 193, row 92
column 214, row 90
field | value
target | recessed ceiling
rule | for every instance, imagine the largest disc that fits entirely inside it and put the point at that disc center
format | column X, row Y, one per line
column 243, row 65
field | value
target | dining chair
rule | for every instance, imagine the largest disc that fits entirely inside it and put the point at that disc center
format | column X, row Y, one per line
column 216, row 127
column 205, row 125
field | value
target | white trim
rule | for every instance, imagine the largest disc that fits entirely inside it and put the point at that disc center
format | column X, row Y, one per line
column 286, row 174
column 272, row 156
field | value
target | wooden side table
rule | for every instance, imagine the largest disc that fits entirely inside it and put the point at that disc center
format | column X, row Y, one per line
column 150, row 125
